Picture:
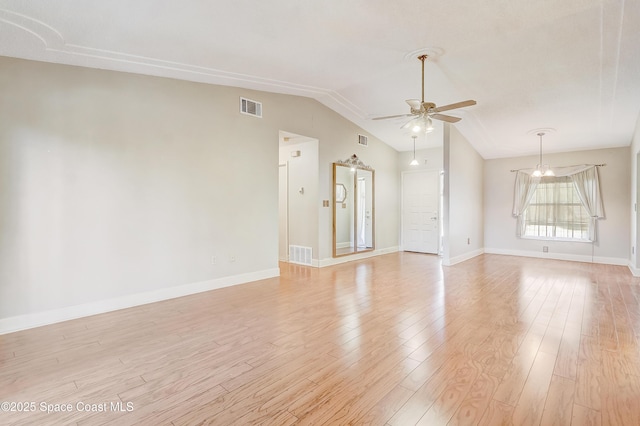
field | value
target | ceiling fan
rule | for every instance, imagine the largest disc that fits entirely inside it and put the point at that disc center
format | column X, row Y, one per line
column 422, row 112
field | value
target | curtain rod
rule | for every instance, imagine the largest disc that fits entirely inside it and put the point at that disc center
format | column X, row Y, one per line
column 597, row 165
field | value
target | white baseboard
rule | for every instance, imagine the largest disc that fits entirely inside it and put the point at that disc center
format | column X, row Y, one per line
column 634, row 271
column 37, row 319
column 337, row 260
column 458, row 259
column 561, row 256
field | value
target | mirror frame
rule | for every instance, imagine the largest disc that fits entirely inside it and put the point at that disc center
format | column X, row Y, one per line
column 354, row 164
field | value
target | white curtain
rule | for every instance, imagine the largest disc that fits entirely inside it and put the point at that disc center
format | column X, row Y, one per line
column 524, row 189
column 587, row 186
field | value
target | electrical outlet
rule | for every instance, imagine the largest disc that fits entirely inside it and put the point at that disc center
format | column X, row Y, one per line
column 232, row 258
column 468, row 241
column 545, row 249
column 214, row 260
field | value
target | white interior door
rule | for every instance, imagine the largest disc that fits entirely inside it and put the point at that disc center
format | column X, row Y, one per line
column 420, row 212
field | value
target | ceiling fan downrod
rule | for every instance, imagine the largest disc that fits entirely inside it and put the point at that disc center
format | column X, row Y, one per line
column 422, row 59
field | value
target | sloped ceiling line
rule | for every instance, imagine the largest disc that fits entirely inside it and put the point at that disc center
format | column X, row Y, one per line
column 53, row 41
column 573, row 66
column 616, row 53
column 45, row 33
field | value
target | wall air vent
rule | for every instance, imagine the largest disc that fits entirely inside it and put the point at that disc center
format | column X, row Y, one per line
column 249, row 107
column 363, row 140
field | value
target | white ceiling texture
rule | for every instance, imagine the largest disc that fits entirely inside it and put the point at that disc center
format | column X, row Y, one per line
column 568, row 65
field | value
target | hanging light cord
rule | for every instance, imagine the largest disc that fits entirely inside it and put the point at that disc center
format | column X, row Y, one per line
column 541, row 135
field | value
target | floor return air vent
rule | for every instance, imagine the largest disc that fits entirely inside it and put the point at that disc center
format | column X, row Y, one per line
column 300, row 255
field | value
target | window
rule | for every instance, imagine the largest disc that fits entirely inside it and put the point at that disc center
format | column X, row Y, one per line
column 566, row 206
column 556, row 212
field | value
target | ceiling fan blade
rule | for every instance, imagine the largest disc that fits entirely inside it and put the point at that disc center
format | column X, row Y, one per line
column 454, row 106
column 447, row 118
column 392, row 116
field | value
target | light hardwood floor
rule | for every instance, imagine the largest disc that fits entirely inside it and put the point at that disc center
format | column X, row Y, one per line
column 391, row 340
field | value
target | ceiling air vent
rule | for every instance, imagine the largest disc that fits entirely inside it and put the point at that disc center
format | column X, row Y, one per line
column 249, row 107
column 363, row 140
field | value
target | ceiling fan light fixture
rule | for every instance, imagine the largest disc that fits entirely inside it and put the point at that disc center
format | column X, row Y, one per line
column 420, row 124
column 409, row 124
column 414, row 103
column 414, row 124
column 429, row 126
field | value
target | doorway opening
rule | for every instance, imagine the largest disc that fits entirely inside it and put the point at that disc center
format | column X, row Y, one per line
column 297, row 200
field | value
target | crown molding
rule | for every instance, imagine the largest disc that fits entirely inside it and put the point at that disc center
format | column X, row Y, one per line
column 57, row 49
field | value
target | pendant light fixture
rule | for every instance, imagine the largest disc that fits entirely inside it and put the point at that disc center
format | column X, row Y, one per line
column 414, row 162
column 541, row 168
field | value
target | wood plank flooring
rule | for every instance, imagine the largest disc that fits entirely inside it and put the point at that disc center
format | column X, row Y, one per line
column 392, row 340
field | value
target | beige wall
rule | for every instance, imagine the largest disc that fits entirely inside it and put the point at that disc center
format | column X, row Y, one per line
column 613, row 231
column 429, row 159
column 339, row 143
column 114, row 185
column 463, row 199
column 635, row 198
column 118, row 184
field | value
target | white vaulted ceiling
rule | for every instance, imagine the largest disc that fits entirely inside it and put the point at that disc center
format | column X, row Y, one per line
column 571, row 65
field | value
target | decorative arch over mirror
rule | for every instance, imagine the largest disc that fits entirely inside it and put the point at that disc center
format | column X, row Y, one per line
column 353, row 207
